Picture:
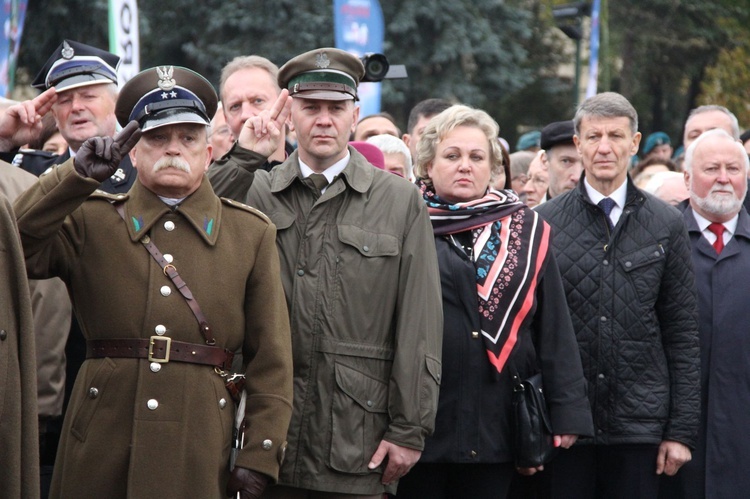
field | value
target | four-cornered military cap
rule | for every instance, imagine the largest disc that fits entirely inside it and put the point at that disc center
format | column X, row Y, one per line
column 655, row 139
column 76, row 65
column 559, row 132
column 326, row 73
column 166, row 95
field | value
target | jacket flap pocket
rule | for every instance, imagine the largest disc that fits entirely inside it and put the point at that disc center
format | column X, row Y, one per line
column 369, row 244
column 434, row 367
column 368, row 392
column 642, row 257
column 282, row 219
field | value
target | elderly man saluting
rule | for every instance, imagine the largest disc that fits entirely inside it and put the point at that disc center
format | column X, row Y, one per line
column 360, row 274
column 166, row 280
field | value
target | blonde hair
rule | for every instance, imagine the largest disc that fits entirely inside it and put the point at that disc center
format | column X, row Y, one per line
column 444, row 123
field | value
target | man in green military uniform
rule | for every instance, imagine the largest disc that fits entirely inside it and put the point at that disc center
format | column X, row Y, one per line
column 360, row 274
column 150, row 415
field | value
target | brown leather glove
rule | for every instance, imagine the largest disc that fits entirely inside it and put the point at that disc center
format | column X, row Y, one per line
column 250, row 484
column 99, row 157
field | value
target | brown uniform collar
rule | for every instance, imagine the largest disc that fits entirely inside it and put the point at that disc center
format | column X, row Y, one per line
column 202, row 209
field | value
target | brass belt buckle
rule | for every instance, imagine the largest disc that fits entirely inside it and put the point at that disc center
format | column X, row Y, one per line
column 151, row 344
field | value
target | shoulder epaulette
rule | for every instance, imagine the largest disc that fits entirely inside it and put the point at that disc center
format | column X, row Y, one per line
column 244, row 207
column 107, row 196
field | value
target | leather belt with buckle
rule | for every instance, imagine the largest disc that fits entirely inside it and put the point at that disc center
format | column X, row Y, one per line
column 161, row 349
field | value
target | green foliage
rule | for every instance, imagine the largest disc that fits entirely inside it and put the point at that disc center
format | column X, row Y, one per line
column 500, row 55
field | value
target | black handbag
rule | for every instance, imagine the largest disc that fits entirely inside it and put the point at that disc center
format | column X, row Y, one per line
column 534, row 443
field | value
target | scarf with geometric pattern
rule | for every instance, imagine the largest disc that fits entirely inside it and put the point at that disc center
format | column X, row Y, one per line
column 510, row 248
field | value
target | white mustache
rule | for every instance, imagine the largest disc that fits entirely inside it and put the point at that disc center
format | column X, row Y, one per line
column 172, row 162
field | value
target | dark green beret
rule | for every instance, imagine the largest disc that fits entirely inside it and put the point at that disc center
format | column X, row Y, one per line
column 325, row 73
column 166, row 95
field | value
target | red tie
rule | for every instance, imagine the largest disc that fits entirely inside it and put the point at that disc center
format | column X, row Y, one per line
column 718, row 229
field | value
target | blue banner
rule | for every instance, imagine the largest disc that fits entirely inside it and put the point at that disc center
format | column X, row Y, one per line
column 12, row 17
column 358, row 26
column 594, row 50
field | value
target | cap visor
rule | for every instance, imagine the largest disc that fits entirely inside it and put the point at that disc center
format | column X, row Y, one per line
column 172, row 118
column 323, row 95
column 80, row 81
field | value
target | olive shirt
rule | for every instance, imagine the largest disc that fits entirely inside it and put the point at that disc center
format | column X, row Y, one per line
column 360, row 273
column 133, row 429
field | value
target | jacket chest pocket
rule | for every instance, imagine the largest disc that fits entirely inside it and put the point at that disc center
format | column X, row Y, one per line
column 365, row 258
column 644, row 268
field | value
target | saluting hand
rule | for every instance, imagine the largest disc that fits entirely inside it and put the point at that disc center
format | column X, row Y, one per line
column 99, row 157
column 21, row 123
column 262, row 133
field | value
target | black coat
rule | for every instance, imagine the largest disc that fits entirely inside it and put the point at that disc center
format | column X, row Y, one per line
column 474, row 409
column 632, row 299
column 721, row 460
column 37, row 162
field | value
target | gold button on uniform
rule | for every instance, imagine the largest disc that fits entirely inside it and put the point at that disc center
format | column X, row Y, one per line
column 475, row 334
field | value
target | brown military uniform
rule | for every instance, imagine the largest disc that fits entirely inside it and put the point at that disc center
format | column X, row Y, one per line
column 138, row 429
column 19, row 458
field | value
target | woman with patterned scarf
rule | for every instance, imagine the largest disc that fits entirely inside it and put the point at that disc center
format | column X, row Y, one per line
column 504, row 311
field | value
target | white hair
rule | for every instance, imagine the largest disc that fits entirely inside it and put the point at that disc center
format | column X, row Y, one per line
column 715, row 132
column 388, row 144
column 655, row 182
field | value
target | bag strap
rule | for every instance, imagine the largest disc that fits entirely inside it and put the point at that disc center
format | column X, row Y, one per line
column 171, row 271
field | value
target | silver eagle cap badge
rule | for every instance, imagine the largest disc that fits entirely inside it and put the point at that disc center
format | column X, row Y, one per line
column 67, row 51
column 166, row 82
column 322, row 61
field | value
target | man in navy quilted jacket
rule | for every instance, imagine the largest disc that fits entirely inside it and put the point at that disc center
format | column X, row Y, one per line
column 625, row 261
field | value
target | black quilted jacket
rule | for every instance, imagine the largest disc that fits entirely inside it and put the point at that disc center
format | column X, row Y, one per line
column 632, row 299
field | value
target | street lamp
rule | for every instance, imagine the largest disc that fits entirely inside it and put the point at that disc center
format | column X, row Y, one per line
column 569, row 18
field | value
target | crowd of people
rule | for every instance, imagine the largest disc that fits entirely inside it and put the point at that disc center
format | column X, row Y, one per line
column 259, row 293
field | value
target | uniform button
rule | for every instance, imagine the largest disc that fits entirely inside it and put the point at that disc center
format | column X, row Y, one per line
column 473, row 453
column 93, row 392
column 145, row 239
column 169, row 226
column 605, row 262
column 267, row 444
column 628, row 264
column 165, row 291
column 300, row 272
column 168, row 257
column 369, row 403
column 3, row 335
column 222, row 403
column 152, row 404
column 603, row 319
column 155, row 367
column 656, row 253
column 599, row 432
column 160, row 329
column 475, row 334
column 365, row 249
column 438, row 377
column 601, row 375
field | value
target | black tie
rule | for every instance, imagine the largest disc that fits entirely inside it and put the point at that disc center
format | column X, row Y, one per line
column 319, row 181
column 607, row 205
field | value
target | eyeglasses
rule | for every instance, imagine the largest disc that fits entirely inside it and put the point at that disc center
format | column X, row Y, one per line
column 538, row 181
